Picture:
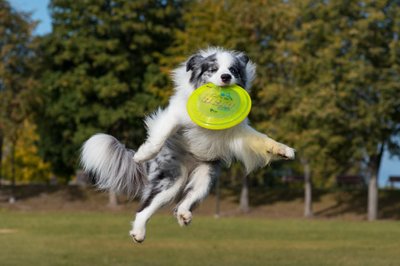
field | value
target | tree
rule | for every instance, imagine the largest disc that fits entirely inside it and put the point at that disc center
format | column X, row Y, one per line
column 369, row 87
column 94, row 65
column 26, row 163
column 333, row 66
column 17, row 81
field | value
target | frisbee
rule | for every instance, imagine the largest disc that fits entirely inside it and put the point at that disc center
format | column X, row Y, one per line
column 214, row 107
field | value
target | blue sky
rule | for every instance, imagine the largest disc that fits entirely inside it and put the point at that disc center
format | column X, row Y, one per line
column 39, row 11
column 390, row 166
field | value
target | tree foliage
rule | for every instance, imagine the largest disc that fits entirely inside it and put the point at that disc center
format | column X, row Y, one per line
column 95, row 63
column 29, row 166
column 17, row 70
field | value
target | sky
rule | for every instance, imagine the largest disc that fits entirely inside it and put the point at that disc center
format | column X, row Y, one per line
column 38, row 8
column 39, row 11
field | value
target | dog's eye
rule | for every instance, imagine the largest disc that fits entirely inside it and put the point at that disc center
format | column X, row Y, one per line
column 233, row 71
column 214, row 69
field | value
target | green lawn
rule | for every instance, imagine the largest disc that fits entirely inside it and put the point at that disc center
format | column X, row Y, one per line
column 102, row 239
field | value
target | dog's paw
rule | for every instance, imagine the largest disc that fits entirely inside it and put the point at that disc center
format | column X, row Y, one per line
column 286, row 152
column 184, row 217
column 138, row 236
column 146, row 151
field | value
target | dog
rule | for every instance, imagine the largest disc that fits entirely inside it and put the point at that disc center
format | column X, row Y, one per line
column 179, row 159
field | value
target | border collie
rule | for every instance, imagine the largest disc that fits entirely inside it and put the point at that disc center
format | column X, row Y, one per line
column 179, row 159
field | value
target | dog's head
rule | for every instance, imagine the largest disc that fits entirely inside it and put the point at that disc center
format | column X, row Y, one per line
column 220, row 67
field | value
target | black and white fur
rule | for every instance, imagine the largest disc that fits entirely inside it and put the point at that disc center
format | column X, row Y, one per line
column 180, row 159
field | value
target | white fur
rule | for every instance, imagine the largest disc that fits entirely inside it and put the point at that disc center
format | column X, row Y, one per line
column 94, row 152
column 109, row 160
column 224, row 60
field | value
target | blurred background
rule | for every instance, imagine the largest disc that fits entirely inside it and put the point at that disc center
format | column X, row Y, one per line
column 328, row 84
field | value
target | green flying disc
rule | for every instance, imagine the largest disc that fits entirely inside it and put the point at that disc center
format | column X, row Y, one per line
column 217, row 108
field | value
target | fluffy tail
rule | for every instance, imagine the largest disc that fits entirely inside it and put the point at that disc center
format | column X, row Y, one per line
column 112, row 165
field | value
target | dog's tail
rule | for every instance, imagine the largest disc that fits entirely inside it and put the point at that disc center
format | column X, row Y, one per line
column 112, row 165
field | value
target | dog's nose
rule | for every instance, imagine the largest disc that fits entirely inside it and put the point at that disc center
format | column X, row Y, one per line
column 226, row 78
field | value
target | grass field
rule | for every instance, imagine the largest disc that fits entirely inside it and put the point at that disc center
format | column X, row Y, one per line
column 101, row 238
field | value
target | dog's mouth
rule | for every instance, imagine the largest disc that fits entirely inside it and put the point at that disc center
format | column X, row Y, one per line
column 223, row 84
column 229, row 84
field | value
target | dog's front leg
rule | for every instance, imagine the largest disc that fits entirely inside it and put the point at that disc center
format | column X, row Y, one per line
column 160, row 127
column 255, row 149
column 260, row 143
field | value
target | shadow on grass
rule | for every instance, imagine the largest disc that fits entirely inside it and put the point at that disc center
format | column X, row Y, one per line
column 355, row 202
column 23, row 192
column 345, row 201
column 329, row 203
column 334, row 202
column 389, row 202
column 266, row 196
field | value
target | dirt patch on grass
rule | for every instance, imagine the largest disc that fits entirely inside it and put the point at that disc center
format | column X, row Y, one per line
column 7, row 231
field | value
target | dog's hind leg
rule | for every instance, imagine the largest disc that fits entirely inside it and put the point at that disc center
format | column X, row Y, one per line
column 195, row 191
column 162, row 189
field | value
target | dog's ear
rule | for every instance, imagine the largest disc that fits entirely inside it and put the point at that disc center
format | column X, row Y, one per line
column 244, row 58
column 193, row 61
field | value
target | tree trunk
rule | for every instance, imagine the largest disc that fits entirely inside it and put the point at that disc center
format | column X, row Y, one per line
column 373, row 198
column 374, row 166
column 217, row 197
column 308, row 212
column 12, row 196
column 13, row 164
column 244, row 195
column 112, row 199
column 1, row 156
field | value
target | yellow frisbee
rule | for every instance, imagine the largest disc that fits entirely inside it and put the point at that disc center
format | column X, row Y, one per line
column 214, row 107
